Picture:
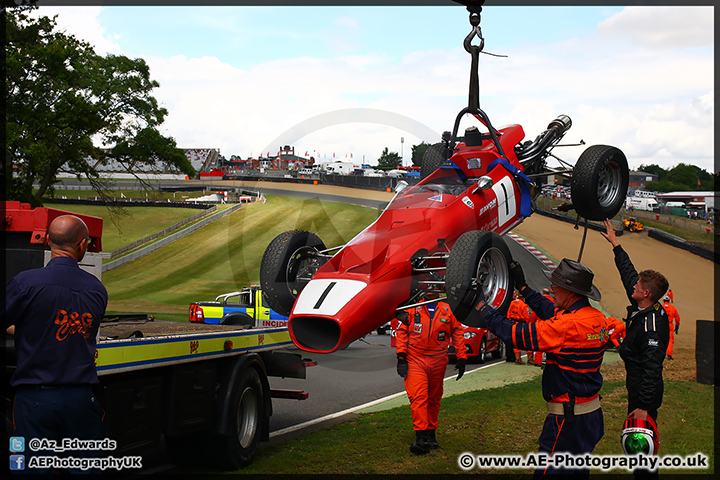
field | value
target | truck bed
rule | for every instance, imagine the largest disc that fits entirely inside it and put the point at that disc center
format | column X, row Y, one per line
column 111, row 330
column 127, row 345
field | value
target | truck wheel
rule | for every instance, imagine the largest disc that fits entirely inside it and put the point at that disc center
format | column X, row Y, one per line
column 599, row 183
column 478, row 262
column 435, row 155
column 288, row 264
column 246, row 422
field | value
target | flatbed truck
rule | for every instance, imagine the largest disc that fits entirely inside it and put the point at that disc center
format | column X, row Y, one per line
column 201, row 388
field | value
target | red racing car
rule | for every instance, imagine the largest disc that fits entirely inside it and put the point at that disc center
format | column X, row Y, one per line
column 442, row 235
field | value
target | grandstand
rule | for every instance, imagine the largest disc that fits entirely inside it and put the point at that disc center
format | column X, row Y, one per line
column 201, row 159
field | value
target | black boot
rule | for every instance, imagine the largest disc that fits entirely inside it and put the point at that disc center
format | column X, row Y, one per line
column 432, row 440
column 420, row 445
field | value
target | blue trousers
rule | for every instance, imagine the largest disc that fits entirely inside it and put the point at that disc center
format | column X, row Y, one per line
column 57, row 413
column 576, row 438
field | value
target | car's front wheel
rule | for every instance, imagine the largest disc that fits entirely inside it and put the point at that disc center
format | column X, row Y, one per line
column 482, row 352
column 289, row 262
column 478, row 264
column 498, row 353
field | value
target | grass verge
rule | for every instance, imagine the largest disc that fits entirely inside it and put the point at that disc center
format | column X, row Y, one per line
column 138, row 223
column 505, row 420
column 225, row 255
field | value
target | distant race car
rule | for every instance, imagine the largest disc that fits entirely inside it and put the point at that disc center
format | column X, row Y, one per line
column 633, row 224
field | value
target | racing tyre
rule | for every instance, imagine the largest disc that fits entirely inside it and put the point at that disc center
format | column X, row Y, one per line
column 246, row 423
column 288, row 264
column 435, row 155
column 599, row 183
column 478, row 262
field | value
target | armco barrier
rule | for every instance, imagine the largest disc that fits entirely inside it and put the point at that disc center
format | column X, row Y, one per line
column 130, row 203
column 169, row 239
column 160, row 234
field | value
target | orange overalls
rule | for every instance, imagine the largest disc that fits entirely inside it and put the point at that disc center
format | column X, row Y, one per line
column 672, row 314
column 518, row 312
column 425, row 340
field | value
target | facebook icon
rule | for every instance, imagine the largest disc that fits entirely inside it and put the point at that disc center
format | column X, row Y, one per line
column 17, row 462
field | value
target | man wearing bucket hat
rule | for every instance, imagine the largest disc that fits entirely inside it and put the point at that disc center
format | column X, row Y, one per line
column 574, row 336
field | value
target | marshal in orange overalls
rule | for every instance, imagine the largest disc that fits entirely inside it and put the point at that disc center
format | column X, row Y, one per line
column 425, row 340
column 673, row 315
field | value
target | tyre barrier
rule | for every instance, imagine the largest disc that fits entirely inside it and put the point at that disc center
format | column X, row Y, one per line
column 680, row 243
column 652, row 233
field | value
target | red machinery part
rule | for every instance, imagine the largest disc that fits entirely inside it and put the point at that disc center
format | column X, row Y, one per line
column 21, row 217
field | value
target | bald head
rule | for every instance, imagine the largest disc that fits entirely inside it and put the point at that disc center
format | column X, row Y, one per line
column 68, row 236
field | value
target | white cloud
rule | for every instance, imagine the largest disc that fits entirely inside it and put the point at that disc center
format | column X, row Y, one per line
column 643, row 81
column 666, row 28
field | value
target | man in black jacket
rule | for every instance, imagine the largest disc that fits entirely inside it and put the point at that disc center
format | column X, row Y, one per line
column 647, row 335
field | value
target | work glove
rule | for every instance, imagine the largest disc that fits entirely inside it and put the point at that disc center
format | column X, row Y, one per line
column 402, row 365
column 403, row 317
column 516, row 272
column 460, row 367
column 482, row 307
column 677, row 327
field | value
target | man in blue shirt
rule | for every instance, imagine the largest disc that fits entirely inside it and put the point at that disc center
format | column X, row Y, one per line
column 574, row 335
column 55, row 313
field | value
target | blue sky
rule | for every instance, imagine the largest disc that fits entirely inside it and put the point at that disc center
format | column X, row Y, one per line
column 239, row 78
column 248, row 36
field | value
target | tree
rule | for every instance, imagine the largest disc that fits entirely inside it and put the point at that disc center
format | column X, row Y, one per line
column 62, row 98
column 418, row 152
column 681, row 178
column 683, row 174
column 654, row 169
column 389, row 160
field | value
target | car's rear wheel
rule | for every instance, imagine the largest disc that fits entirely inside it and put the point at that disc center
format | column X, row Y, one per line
column 288, row 264
column 478, row 262
column 435, row 155
column 599, row 183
